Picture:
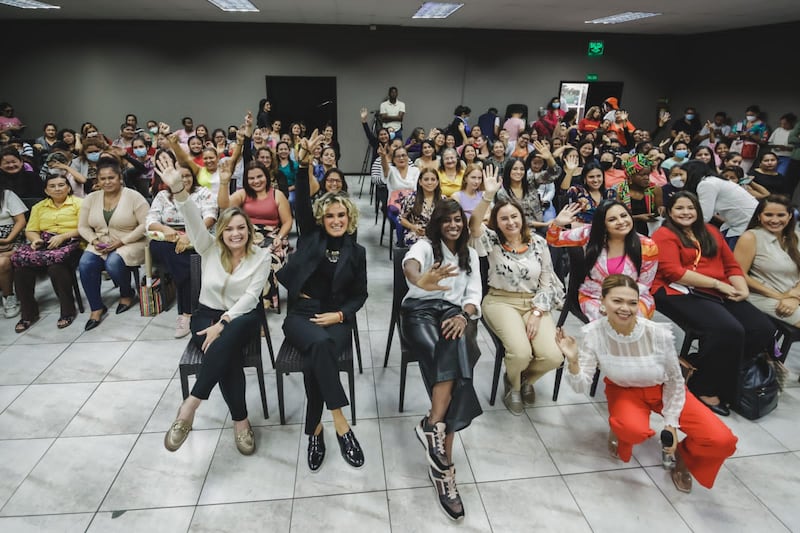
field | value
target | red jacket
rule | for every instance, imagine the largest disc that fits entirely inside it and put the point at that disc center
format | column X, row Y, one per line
column 674, row 259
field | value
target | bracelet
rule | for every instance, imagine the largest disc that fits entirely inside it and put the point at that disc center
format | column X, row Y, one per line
column 341, row 316
column 461, row 315
column 178, row 192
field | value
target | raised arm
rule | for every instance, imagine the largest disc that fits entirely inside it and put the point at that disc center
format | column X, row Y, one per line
column 195, row 225
column 371, row 139
column 183, row 157
column 492, row 181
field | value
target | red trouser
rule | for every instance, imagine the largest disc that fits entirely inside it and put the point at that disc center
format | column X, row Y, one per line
column 708, row 441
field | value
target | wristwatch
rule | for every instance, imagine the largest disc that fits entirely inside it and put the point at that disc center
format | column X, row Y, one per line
column 536, row 312
column 224, row 322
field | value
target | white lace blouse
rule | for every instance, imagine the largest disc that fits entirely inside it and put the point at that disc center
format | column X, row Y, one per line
column 644, row 358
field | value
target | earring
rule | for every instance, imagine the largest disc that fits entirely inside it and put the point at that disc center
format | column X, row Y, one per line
column 602, row 309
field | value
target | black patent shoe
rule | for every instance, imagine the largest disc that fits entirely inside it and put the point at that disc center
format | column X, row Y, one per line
column 719, row 409
column 316, row 452
column 351, row 449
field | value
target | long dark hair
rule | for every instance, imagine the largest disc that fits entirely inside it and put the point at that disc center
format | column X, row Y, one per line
column 419, row 196
column 790, row 239
column 433, row 231
column 255, row 165
column 598, row 236
column 695, row 172
column 507, row 175
column 708, row 244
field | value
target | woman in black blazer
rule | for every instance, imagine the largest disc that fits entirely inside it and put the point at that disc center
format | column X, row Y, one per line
column 327, row 283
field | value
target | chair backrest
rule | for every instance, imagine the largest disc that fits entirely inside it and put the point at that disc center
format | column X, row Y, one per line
column 400, row 287
column 577, row 273
column 195, row 278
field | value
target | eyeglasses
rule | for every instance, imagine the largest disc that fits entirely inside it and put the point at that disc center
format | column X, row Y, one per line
column 334, row 180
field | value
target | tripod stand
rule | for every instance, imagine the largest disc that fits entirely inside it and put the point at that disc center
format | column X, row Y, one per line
column 366, row 165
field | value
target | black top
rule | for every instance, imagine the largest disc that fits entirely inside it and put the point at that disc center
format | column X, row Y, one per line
column 318, row 286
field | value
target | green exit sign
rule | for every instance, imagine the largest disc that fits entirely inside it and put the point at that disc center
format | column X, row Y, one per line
column 591, row 77
column 596, row 48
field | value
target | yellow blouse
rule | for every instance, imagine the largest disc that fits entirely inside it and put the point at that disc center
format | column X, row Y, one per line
column 450, row 186
column 45, row 216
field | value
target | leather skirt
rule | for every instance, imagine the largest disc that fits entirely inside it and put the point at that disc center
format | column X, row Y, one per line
column 441, row 359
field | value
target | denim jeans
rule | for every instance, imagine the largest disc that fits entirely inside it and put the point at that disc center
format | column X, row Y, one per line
column 90, row 267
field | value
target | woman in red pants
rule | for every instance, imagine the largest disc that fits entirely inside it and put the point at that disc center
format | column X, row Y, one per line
column 643, row 375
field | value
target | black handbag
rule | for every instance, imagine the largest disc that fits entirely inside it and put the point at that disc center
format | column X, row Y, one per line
column 758, row 388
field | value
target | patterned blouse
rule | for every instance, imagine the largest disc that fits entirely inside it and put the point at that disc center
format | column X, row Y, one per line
column 589, row 292
column 164, row 211
column 407, row 214
column 529, row 271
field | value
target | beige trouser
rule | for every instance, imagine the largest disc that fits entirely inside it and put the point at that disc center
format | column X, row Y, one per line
column 507, row 313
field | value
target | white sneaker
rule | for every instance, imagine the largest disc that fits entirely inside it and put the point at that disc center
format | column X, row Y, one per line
column 182, row 326
column 10, row 306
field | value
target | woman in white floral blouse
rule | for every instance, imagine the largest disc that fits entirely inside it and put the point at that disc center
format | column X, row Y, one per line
column 171, row 246
column 523, row 289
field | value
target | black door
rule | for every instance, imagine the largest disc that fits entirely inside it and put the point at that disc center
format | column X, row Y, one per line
column 310, row 99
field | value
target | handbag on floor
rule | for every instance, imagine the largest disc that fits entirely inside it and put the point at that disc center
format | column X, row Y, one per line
column 758, row 388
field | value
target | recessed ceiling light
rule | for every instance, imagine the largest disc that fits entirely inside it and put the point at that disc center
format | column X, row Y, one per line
column 435, row 10
column 28, row 4
column 622, row 17
column 242, row 6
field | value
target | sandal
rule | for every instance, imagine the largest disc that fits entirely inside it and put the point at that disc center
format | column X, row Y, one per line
column 24, row 325
column 65, row 321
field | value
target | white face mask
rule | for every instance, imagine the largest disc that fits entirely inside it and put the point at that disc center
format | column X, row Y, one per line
column 676, row 182
column 751, row 118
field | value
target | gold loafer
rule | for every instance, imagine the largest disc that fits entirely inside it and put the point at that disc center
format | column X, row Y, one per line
column 177, row 434
column 613, row 444
column 245, row 441
column 680, row 475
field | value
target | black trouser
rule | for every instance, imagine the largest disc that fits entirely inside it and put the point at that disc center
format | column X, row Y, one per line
column 222, row 362
column 729, row 332
column 178, row 267
column 61, row 278
column 321, row 348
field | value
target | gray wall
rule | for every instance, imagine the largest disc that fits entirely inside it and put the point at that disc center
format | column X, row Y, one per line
column 214, row 72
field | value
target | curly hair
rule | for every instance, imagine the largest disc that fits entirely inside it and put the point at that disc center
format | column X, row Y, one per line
column 330, row 198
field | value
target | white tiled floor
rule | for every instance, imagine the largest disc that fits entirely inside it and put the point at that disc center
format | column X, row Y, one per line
column 82, row 417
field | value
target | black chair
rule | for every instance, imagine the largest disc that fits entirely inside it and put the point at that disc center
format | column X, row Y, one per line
column 577, row 273
column 192, row 356
column 291, row 360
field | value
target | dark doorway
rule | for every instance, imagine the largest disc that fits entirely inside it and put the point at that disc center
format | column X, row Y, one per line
column 311, row 99
column 581, row 95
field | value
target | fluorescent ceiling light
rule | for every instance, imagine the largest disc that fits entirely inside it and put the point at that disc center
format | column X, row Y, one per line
column 28, row 4
column 435, row 10
column 622, row 17
column 235, row 5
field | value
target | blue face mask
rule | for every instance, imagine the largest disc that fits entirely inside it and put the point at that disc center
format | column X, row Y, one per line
column 689, row 116
column 556, row 105
column 140, row 152
column 681, row 153
column 94, row 157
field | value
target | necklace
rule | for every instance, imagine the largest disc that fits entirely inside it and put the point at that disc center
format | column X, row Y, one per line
column 515, row 250
column 332, row 255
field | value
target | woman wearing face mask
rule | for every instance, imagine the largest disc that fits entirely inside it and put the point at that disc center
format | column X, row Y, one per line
column 680, row 154
column 642, row 199
column 748, row 135
column 730, row 203
column 767, row 175
column 554, row 115
column 141, row 152
column 612, row 169
column 642, row 375
column 677, row 177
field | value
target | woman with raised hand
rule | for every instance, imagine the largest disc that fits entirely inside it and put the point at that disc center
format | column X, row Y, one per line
column 611, row 246
column 234, row 273
column 170, row 244
column 439, row 316
column 770, row 259
column 326, row 279
column 269, row 211
column 523, row 290
column 643, row 375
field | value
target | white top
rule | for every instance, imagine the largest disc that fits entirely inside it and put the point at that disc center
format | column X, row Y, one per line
column 728, row 200
column 464, row 288
column 165, row 211
column 529, row 272
column 392, row 109
column 238, row 292
column 394, row 181
column 644, row 358
column 11, row 207
column 780, row 137
column 721, row 131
